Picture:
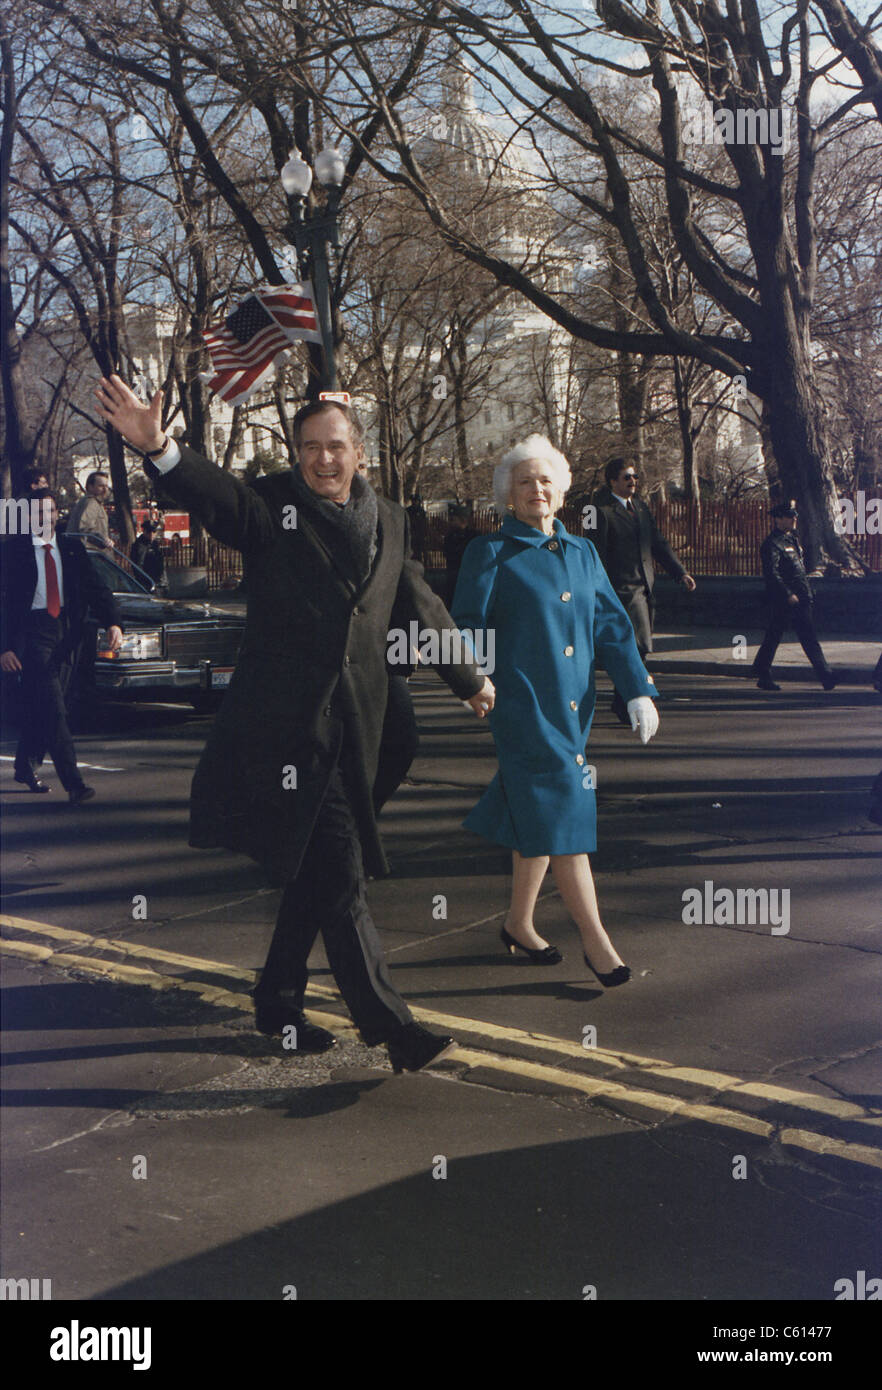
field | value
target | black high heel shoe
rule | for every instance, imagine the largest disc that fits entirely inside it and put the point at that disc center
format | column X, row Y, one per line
column 620, row 976
column 544, row 955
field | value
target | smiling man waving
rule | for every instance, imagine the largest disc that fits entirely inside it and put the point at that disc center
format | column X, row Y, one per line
column 287, row 773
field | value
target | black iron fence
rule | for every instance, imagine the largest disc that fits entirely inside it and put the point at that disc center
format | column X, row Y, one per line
column 723, row 539
column 222, row 564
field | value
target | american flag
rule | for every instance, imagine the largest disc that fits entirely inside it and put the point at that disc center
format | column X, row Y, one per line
column 244, row 348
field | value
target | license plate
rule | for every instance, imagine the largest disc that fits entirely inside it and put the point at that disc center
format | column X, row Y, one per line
column 221, row 678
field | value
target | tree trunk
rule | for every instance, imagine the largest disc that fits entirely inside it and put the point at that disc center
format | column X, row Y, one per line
column 18, row 433
column 770, row 463
column 122, row 499
column 632, row 383
column 687, row 436
column 196, row 416
column 390, row 470
column 798, row 436
column 284, row 417
column 234, row 439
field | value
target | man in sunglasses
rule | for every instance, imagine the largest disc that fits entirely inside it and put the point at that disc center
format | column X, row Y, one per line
column 628, row 542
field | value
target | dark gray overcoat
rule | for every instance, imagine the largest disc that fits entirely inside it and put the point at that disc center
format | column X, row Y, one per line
column 311, row 667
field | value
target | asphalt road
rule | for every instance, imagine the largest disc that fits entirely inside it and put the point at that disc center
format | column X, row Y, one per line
column 709, row 1132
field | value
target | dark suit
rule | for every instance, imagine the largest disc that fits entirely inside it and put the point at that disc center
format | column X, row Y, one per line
column 309, row 692
column 47, row 646
column 785, row 575
column 628, row 543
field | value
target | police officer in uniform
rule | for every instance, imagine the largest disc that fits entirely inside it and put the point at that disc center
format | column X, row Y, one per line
column 790, row 600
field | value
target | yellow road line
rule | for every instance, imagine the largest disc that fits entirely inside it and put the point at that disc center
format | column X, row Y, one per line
column 127, row 948
column 612, row 1090
column 722, row 1084
column 126, row 974
column 837, row 1148
column 598, row 1089
column 676, row 1107
column 137, row 975
column 719, row 1082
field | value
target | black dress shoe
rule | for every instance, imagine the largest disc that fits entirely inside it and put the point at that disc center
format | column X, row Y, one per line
column 539, row 955
column 766, row 683
column 413, row 1047
column 273, row 1019
column 80, row 794
column 829, row 682
column 620, row 976
column 31, row 781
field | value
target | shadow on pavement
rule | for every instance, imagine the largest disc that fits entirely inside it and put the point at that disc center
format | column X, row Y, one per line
column 543, row 1222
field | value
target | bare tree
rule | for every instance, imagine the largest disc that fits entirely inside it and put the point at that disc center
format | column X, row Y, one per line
column 764, row 279
column 854, row 40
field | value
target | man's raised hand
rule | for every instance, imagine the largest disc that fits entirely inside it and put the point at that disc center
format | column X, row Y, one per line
column 138, row 422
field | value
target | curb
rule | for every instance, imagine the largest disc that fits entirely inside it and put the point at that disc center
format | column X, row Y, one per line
column 675, row 666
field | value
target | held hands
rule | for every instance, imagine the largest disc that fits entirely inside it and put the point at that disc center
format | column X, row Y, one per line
column 138, row 423
column 644, row 717
column 483, row 702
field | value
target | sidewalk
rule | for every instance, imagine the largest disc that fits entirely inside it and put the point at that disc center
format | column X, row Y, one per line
column 711, row 651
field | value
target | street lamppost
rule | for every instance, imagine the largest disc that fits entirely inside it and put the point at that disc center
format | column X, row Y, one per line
column 312, row 235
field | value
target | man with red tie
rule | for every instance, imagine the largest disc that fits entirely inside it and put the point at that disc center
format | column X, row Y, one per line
column 49, row 586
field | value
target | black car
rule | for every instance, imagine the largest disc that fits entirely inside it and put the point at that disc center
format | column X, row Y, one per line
column 172, row 649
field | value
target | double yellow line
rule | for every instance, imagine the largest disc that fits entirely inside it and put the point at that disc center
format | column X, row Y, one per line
column 59, row 946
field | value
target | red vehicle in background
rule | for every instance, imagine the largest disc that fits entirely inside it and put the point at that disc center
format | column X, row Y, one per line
column 173, row 523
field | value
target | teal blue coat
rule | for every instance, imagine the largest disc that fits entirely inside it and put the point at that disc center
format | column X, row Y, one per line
column 553, row 615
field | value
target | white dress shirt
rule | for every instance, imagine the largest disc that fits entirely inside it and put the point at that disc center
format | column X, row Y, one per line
column 167, row 461
column 41, row 545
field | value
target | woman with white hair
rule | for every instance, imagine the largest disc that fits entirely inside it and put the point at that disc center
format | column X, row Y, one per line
column 545, row 597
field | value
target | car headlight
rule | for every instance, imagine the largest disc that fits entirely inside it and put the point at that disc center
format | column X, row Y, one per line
column 135, row 646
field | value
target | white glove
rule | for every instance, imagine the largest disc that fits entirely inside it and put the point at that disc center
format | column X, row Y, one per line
column 644, row 717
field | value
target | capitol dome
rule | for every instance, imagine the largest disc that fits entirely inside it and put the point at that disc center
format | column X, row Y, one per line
column 459, row 139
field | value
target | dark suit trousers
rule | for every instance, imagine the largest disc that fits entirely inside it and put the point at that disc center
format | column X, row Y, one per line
column 799, row 617
column 640, row 609
column 328, row 896
column 44, row 718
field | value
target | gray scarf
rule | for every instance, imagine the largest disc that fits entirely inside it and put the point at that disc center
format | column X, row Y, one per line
column 355, row 522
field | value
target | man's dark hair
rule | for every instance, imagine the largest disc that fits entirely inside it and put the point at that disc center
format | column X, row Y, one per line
column 99, row 473
column 307, row 411
column 29, row 477
column 613, row 469
column 42, row 492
